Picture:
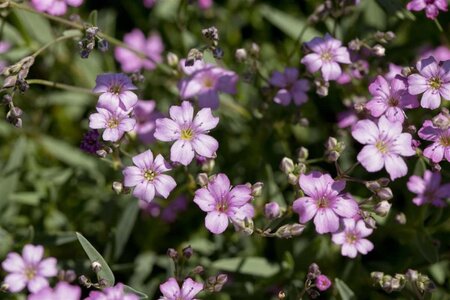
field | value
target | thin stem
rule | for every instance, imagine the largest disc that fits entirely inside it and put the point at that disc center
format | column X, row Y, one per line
column 60, row 86
column 297, row 41
column 436, row 21
column 61, row 38
column 314, row 160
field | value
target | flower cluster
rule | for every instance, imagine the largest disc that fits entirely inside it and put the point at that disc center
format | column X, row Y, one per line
column 55, row 7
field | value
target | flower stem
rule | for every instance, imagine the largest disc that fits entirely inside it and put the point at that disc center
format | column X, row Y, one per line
column 61, row 38
column 59, row 86
column 438, row 25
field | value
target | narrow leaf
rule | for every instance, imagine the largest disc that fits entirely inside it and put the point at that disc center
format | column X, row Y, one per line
column 129, row 289
column 344, row 291
column 105, row 272
column 125, row 226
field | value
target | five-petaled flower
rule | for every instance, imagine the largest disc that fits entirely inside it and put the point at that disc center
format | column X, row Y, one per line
column 290, row 87
column 55, row 7
column 326, row 55
column 205, row 81
column 63, row 290
column 322, row 283
column 385, row 144
column 112, row 293
column 29, row 270
column 324, row 202
column 390, row 98
column 115, row 123
column 433, row 81
column 220, row 201
column 171, row 290
column 147, row 176
column 152, row 47
column 352, row 238
column 116, row 92
column 440, row 149
column 429, row 189
column 189, row 133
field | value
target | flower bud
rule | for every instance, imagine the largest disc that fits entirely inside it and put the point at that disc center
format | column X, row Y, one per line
column 172, row 59
column 7, row 99
column 378, row 50
column 389, row 35
column 117, row 187
column 198, row 270
column 172, row 253
column 289, row 230
column 84, row 281
column 257, row 189
column 241, row 55
column 281, row 295
column 254, row 50
column 406, row 71
column 412, row 275
column 96, row 266
column 103, row 283
column 188, row 252
column 302, row 154
column 287, row 165
column 384, row 181
column 103, row 45
column 323, row 283
column 9, row 82
column 293, row 179
column 314, row 270
column 385, row 193
column 355, row 45
column 401, row 218
column 272, row 210
column 383, row 208
column 377, row 276
column 222, row 278
column 202, row 179
column 373, row 186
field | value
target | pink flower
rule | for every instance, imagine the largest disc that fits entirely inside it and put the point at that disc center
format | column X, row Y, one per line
column 205, row 4
column 63, row 290
column 171, row 290
column 220, row 201
column 390, row 98
column 357, row 70
column 4, row 48
column 272, row 210
column 291, row 88
column 431, row 7
column 322, row 283
column 441, row 53
column 347, row 118
column 429, row 189
column 152, row 47
column 55, row 7
column 189, row 132
column 327, row 53
column 115, row 123
column 205, row 81
column 394, row 70
column 147, row 176
column 352, row 238
column 116, row 92
column 146, row 114
column 385, row 145
column 112, row 293
column 433, row 80
column 324, row 202
column 440, row 137
column 29, row 269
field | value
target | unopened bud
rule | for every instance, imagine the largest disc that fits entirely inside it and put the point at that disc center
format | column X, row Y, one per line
column 302, row 154
column 218, row 53
column 172, row 59
column 389, row 36
column 172, row 253
column 272, row 210
column 281, row 295
column 406, row 71
column 7, row 99
column 96, row 266
column 188, row 252
column 384, row 181
column 117, row 187
column 84, row 281
column 412, row 275
column 293, row 179
column 331, row 143
column 383, row 208
column 378, row 50
column 287, row 165
column 9, row 82
column 103, row 283
column 385, row 193
column 401, row 218
column 241, row 55
column 377, row 276
column 257, row 189
column 289, row 230
column 102, row 153
column 254, row 50
column 373, row 186
column 202, row 179
column 103, row 45
column 222, row 278
column 198, row 270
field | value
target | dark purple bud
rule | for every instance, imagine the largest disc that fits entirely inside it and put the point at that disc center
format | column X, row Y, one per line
column 103, row 45
column 188, row 252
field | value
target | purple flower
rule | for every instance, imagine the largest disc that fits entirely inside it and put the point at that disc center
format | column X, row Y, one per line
column 167, row 214
column 347, row 118
column 324, row 202
column 171, row 290
column 441, row 53
column 189, row 132
column 152, row 47
column 112, row 293
column 220, row 201
column 433, row 81
column 352, row 238
column 90, row 142
column 115, row 123
column 322, row 283
column 147, row 176
column 55, row 7
column 390, row 98
column 429, row 189
column 394, row 70
column 116, row 92
column 327, row 53
column 146, row 114
column 149, row 3
column 291, row 88
column 205, row 81
column 4, row 47
column 357, row 70
column 272, row 210
column 385, row 144
column 431, row 7
column 63, row 290
column 205, row 4
column 440, row 137
column 29, row 269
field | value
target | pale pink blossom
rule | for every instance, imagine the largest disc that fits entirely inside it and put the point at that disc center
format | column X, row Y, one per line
column 352, row 238
column 172, row 291
column 440, row 148
column 429, row 189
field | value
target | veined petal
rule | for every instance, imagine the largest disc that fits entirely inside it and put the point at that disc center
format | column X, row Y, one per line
column 326, row 221
column 205, row 145
column 395, row 166
column 216, row 222
column 306, row 207
column 371, row 158
column 365, row 132
column 166, row 130
column 164, row 184
column 144, row 191
column 182, row 152
column 205, row 200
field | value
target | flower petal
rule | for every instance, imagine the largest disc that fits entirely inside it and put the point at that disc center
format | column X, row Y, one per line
column 216, row 222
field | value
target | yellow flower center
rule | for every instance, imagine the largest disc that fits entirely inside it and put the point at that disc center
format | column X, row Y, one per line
column 113, row 123
column 222, row 205
column 382, row 147
column 350, row 238
column 208, row 82
column 187, row 134
column 149, row 175
column 30, row 273
column 445, row 140
column 435, row 83
column 323, row 202
column 326, row 56
column 115, row 89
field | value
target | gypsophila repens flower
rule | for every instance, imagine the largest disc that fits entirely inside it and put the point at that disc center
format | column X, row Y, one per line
column 112, row 293
column 189, row 133
column 322, row 283
column 62, row 291
column 352, row 238
column 115, row 123
column 440, row 148
column 291, row 88
column 172, row 291
column 55, row 7
column 429, row 189
column 147, row 178
column 431, row 7
column 146, row 114
column 116, row 92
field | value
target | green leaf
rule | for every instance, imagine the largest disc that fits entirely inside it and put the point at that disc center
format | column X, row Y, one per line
column 390, row 6
column 290, row 25
column 93, row 17
column 15, row 161
column 35, row 26
column 439, row 271
column 28, row 198
column 426, row 247
column 344, row 291
column 129, row 289
column 144, row 263
column 8, row 185
column 256, row 266
column 420, row 167
column 125, row 226
column 105, row 272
